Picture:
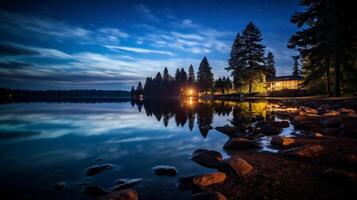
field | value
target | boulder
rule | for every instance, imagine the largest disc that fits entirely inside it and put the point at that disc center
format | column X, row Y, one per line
column 235, row 166
column 96, row 169
column 211, row 195
column 339, row 176
column 227, row 130
column 94, row 190
column 208, row 179
column 241, row 143
column 331, row 122
column 121, row 184
column 281, row 141
column 128, row 194
column 165, row 170
column 269, row 129
column 306, row 151
column 315, row 135
column 59, row 185
column 206, row 158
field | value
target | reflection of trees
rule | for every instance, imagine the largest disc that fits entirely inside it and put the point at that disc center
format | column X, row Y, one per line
column 202, row 112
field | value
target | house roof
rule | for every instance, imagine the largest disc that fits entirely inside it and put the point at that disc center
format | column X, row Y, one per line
column 284, row 78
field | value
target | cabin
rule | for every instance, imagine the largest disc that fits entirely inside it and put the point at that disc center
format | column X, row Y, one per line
column 283, row 83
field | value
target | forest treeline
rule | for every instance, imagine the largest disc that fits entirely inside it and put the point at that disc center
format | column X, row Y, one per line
column 326, row 58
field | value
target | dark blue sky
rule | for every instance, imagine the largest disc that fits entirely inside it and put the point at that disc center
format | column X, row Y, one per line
column 114, row 44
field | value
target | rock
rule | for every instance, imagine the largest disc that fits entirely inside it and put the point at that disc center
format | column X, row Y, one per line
column 315, row 135
column 125, row 183
column 96, row 169
column 331, row 113
column 331, row 122
column 306, row 151
column 227, row 130
column 209, row 196
column 164, row 170
column 270, row 130
column 59, row 185
column 339, row 176
column 311, row 111
column 128, row 194
column 281, row 124
column 281, row 141
column 259, row 118
column 330, row 131
column 209, row 179
column 241, row 143
column 206, row 158
column 345, row 111
column 185, row 183
column 94, row 190
column 235, row 166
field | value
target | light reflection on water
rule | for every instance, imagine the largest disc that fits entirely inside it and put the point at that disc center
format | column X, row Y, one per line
column 38, row 139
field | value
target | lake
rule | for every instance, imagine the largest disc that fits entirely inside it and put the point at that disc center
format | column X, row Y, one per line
column 44, row 143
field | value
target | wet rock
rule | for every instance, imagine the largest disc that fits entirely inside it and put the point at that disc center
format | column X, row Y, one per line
column 121, row 184
column 241, row 143
column 96, row 169
column 281, row 141
column 206, row 158
column 345, row 111
column 331, row 122
column 209, row 179
column 127, row 194
column 331, row 113
column 209, row 196
column 94, row 190
column 311, row 111
column 306, row 151
column 165, row 170
column 235, row 166
column 227, row 130
column 269, row 129
column 59, row 185
column 315, row 135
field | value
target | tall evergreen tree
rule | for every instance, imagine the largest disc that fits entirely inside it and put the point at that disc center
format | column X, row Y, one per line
column 191, row 75
column 204, row 76
column 183, row 76
column 132, row 91
column 254, row 54
column 236, row 61
column 139, row 89
column 296, row 70
column 270, row 65
column 328, row 39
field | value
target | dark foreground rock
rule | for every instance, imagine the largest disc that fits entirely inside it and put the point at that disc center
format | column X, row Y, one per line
column 306, row 151
column 269, row 129
column 340, row 176
column 128, row 194
column 165, row 170
column 281, row 141
column 241, row 143
column 235, row 166
column 96, row 169
column 209, row 196
column 94, row 190
column 206, row 158
column 121, row 184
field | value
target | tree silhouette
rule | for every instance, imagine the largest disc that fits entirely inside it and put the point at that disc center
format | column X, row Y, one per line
column 204, row 76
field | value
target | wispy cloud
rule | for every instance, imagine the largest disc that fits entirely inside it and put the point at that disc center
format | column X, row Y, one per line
column 139, row 50
column 146, row 13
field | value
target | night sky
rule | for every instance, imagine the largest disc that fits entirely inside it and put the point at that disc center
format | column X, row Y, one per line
column 114, row 44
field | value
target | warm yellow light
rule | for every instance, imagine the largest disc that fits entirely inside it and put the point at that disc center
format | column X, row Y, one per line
column 190, row 91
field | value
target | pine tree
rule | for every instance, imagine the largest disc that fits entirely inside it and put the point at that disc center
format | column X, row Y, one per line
column 139, row 89
column 132, row 92
column 327, row 41
column 296, row 70
column 254, row 54
column 236, row 61
column 191, row 75
column 204, row 76
column 148, row 86
column 183, row 76
column 270, row 65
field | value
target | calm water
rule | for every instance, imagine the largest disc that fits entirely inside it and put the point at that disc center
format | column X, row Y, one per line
column 43, row 143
